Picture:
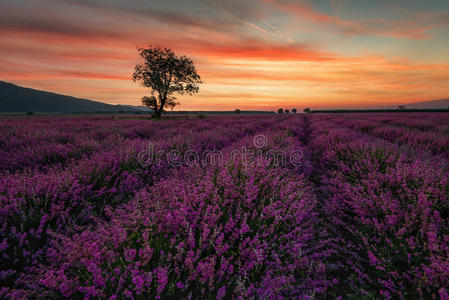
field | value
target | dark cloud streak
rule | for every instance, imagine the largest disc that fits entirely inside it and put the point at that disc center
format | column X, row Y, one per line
column 174, row 18
column 40, row 24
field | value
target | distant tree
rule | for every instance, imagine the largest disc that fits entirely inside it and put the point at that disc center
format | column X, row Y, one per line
column 280, row 111
column 294, row 110
column 306, row 110
column 165, row 74
column 30, row 113
column 237, row 111
column 287, row 111
column 401, row 107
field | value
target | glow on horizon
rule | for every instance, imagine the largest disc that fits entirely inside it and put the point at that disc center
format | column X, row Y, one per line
column 252, row 55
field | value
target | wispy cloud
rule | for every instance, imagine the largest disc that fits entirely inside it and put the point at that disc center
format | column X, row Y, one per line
column 265, row 27
column 415, row 25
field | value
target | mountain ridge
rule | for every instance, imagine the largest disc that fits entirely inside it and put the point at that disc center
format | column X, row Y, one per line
column 19, row 99
column 439, row 103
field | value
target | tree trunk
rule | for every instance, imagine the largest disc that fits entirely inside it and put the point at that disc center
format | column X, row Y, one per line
column 157, row 113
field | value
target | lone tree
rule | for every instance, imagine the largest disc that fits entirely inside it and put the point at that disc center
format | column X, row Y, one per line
column 165, row 74
column 294, row 110
column 280, row 111
column 287, row 111
column 237, row 111
column 306, row 110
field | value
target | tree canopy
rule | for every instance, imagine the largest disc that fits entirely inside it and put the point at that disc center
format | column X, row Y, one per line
column 166, row 75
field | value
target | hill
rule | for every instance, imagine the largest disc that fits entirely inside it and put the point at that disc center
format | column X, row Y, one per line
column 442, row 103
column 17, row 99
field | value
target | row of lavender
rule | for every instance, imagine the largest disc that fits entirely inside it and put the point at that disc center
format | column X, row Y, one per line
column 426, row 133
column 386, row 199
column 217, row 231
column 362, row 213
column 47, row 143
column 40, row 203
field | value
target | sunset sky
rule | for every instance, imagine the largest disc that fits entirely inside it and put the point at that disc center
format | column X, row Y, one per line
column 254, row 54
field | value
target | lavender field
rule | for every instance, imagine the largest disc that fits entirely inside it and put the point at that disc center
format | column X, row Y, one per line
column 298, row 206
